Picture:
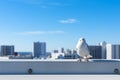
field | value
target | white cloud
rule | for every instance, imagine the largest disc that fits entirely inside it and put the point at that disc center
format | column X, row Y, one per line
column 40, row 32
column 68, row 21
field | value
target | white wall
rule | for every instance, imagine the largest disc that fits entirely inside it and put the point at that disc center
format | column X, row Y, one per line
column 58, row 67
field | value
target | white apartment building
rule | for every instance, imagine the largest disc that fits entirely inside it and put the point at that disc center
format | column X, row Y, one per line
column 113, row 51
column 61, row 50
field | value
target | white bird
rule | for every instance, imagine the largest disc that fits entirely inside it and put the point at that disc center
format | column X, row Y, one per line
column 82, row 49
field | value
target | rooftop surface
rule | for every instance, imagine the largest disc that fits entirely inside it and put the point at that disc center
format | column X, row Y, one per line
column 59, row 77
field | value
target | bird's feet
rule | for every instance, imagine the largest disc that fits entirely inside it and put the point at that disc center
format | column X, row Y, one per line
column 79, row 60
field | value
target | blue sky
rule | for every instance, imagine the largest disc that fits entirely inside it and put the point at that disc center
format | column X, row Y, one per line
column 59, row 23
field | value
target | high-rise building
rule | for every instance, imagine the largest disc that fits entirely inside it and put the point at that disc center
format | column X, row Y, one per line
column 113, row 51
column 68, row 51
column 7, row 50
column 103, row 45
column 54, row 51
column 95, row 51
column 61, row 50
column 39, row 49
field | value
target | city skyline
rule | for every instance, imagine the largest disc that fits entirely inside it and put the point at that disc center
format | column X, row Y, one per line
column 58, row 23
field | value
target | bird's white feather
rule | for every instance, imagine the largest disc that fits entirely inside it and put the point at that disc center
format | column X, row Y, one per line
column 82, row 48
